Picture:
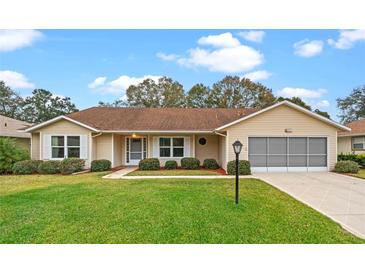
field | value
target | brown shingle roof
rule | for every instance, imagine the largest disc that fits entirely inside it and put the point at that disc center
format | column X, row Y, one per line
column 357, row 127
column 134, row 119
column 10, row 127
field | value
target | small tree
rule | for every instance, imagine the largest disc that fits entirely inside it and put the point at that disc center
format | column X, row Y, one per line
column 353, row 106
column 10, row 154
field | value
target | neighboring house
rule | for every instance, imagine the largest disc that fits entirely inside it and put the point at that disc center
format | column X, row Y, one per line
column 354, row 141
column 12, row 128
column 282, row 137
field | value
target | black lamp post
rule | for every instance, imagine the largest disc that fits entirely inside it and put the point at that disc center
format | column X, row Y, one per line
column 237, row 147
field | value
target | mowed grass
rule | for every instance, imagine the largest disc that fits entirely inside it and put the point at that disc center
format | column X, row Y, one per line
column 361, row 174
column 88, row 209
column 173, row 172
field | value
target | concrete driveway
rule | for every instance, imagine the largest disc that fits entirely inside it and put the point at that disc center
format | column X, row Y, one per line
column 340, row 197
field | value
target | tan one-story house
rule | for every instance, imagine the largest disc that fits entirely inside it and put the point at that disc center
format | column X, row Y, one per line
column 353, row 141
column 12, row 128
column 282, row 137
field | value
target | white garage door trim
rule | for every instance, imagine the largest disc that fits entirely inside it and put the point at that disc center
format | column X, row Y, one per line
column 285, row 157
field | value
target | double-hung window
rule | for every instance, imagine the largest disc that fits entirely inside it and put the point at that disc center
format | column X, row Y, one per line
column 65, row 147
column 171, row 147
column 358, row 143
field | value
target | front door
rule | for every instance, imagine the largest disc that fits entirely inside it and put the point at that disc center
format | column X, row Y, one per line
column 135, row 150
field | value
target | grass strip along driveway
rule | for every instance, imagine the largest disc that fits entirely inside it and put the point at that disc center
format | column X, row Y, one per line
column 87, row 209
column 361, row 174
column 174, row 172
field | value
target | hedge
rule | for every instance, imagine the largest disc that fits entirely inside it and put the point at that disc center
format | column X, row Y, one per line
column 347, row 167
column 26, row 167
column 171, row 164
column 71, row 165
column 244, row 167
column 10, row 153
column 190, row 163
column 210, row 164
column 100, row 165
column 358, row 158
column 49, row 167
column 149, row 164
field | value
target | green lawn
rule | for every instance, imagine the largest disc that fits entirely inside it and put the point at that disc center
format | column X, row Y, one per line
column 88, row 209
column 361, row 174
column 173, row 172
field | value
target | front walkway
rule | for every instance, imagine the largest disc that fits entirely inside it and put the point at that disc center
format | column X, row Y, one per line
column 120, row 173
column 340, row 197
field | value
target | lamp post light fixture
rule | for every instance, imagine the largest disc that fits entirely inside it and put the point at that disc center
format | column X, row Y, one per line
column 237, row 147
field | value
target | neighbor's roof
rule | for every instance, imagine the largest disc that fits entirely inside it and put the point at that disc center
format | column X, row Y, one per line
column 10, row 127
column 357, row 128
column 159, row 119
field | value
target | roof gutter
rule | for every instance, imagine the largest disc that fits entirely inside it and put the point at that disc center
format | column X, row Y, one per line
column 220, row 134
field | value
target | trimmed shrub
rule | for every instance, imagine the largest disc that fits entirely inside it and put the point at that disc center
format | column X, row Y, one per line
column 26, row 167
column 210, row 164
column 49, row 167
column 347, row 167
column 10, row 153
column 244, row 167
column 347, row 157
column 71, row 165
column 171, row 164
column 190, row 163
column 100, row 165
column 149, row 164
column 361, row 159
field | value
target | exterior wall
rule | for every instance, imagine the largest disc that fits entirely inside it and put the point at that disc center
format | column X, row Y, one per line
column 119, row 156
column 61, row 127
column 207, row 151
column 274, row 123
column 345, row 145
column 23, row 143
column 222, row 161
column 35, row 153
column 103, row 147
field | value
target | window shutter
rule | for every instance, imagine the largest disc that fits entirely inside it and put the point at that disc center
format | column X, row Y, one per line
column 46, row 149
column 186, row 146
column 156, row 153
column 83, row 147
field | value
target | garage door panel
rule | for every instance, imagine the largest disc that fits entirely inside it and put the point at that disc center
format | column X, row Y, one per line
column 317, row 145
column 297, row 145
column 317, row 161
column 297, row 160
column 257, row 145
column 277, row 145
column 258, row 160
column 277, row 161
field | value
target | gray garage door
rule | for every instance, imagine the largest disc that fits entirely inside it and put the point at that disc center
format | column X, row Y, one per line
column 269, row 154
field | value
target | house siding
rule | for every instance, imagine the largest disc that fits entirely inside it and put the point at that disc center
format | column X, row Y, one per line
column 222, row 151
column 274, row 123
column 118, row 150
column 35, row 147
column 103, row 145
column 345, row 145
column 207, row 151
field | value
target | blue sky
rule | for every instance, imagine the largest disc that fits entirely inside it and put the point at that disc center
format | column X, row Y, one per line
column 94, row 65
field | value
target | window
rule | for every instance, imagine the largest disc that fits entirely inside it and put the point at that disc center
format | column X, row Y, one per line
column 358, row 143
column 171, row 147
column 65, row 146
column 202, row 141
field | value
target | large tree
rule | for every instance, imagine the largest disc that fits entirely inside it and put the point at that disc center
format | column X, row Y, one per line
column 353, row 106
column 10, row 102
column 42, row 105
column 236, row 92
column 163, row 93
column 300, row 102
column 198, row 96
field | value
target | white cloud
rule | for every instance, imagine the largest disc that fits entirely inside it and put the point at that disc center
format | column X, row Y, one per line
column 223, row 40
column 97, row 82
column 15, row 39
column 166, row 57
column 258, row 75
column 301, row 92
column 227, row 55
column 347, row 39
column 323, row 104
column 230, row 60
column 120, row 84
column 15, row 79
column 306, row 48
column 253, row 35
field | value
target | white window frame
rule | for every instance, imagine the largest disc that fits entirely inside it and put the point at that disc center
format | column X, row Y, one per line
column 353, row 143
column 65, row 145
column 171, row 147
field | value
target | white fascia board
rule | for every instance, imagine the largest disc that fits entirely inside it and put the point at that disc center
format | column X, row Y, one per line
column 289, row 104
column 58, row 118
